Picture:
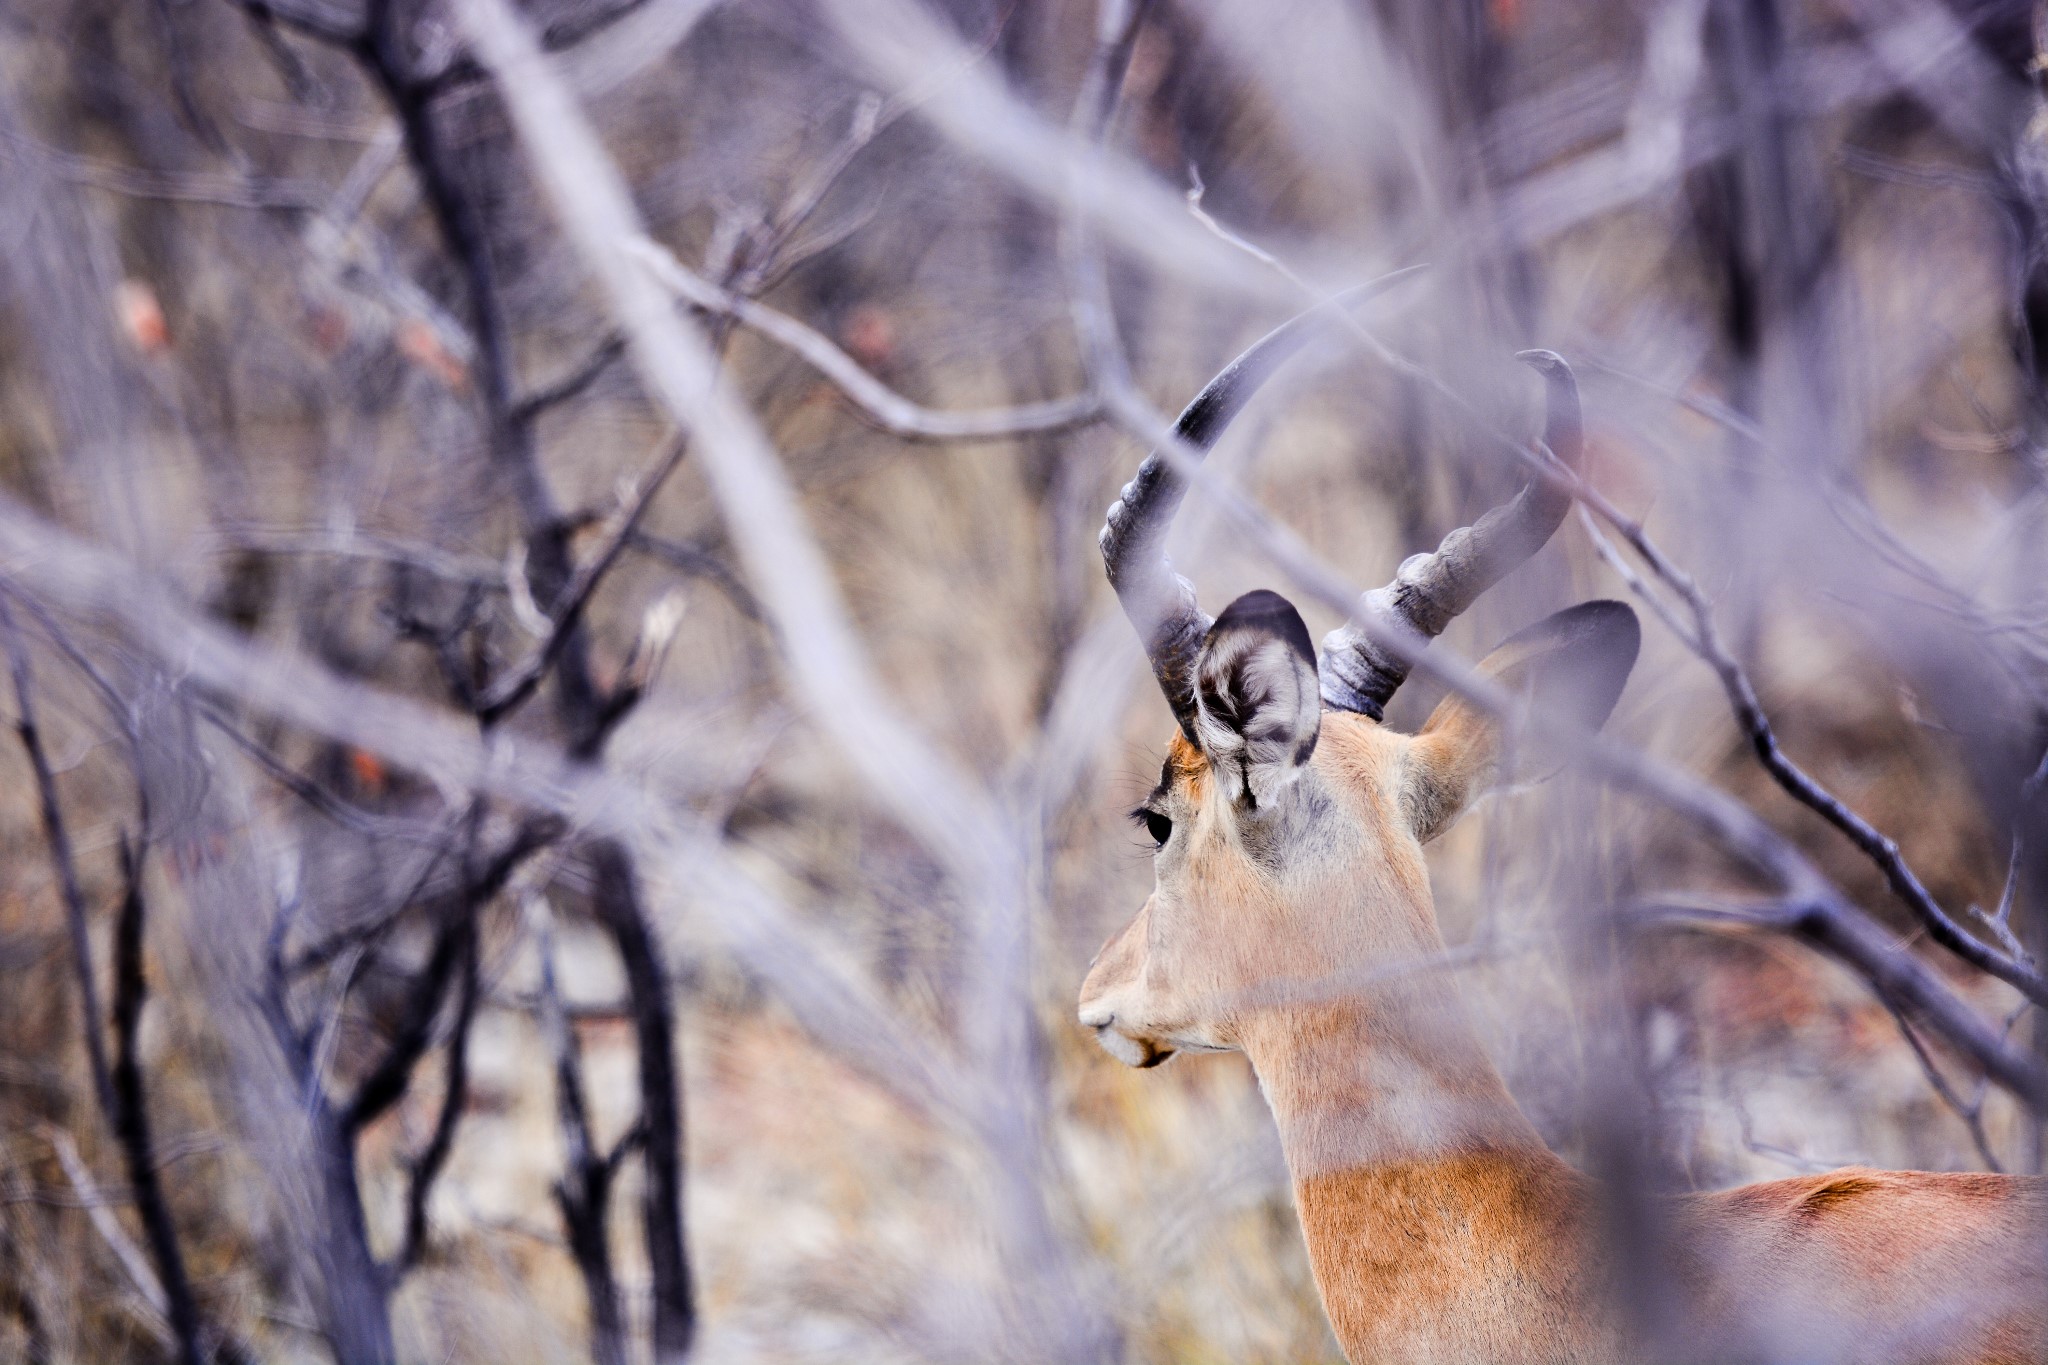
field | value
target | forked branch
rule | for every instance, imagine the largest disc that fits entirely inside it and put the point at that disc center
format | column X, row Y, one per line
column 117, row 1084
column 1704, row 640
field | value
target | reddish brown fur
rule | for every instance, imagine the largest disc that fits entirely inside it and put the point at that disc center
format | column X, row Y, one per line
column 1439, row 1226
column 1395, row 1246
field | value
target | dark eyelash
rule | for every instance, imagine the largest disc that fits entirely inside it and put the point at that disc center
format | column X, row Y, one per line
column 1137, row 815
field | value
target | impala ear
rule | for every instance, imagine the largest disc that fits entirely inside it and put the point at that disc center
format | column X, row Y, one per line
column 1571, row 666
column 1257, row 712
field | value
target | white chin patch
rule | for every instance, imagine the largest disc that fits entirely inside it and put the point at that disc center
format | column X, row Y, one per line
column 1129, row 1050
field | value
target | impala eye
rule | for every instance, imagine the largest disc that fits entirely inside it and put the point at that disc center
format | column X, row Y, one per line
column 1159, row 827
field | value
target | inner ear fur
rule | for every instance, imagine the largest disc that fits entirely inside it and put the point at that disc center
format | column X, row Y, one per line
column 1571, row 666
column 1257, row 710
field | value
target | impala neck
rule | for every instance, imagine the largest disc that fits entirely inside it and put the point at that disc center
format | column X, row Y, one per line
column 1395, row 1077
column 1438, row 1224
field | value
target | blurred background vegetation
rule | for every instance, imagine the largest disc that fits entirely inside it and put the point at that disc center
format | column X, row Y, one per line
column 293, row 349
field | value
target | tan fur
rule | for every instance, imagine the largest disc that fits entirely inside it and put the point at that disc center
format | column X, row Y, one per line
column 1439, row 1226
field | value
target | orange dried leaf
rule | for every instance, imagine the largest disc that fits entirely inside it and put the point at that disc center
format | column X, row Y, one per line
column 367, row 769
column 870, row 335
column 422, row 345
column 142, row 316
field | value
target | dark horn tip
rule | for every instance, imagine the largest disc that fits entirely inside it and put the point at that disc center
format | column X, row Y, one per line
column 1545, row 362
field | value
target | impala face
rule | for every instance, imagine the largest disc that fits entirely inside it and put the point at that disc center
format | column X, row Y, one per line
column 1290, row 825
column 1290, row 838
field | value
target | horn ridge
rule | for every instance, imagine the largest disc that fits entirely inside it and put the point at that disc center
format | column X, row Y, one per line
column 1359, row 673
column 1160, row 603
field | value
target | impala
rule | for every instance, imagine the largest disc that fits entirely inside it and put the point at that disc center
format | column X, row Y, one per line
column 1290, row 826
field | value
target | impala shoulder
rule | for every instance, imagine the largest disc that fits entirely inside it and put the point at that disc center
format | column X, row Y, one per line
column 1860, row 1194
column 1806, row 1196
column 1837, row 1191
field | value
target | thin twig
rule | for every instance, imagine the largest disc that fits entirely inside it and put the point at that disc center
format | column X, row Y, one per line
column 1972, row 1114
column 516, row 684
column 2023, row 658
column 1625, row 571
column 341, row 812
column 389, row 1078
column 227, row 191
column 876, row 401
column 427, row 1167
column 1719, row 413
column 774, row 254
column 1094, row 318
column 312, row 19
column 62, row 860
column 585, row 1186
column 1902, row 982
column 359, row 544
column 1197, row 191
column 570, row 385
column 699, row 563
column 559, row 36
column 100, row 1210
column 131, row 1115
column 1705, row 642
column 1999, row 921
column 369, row 930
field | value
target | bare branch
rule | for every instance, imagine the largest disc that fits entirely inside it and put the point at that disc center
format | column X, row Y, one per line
column 427, row 1167
column 515, row 686
column 699, row 563
column 882, row 405
column 373, row 927
column 454, row 938
column 316, row 796
column 1904, row 983
column 100, row 1210
column 130, row 1117
column 2000, row 920
column 1132, row 209
column 359, row 544
column 794, row 583
column 572, row 384
column 1880, row 848
column 616, row 899
column 583, row 1192
column 63, row 860
column 1971, row 1112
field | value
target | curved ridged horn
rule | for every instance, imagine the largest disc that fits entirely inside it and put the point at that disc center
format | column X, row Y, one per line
column 1159, row 602
column 1429, row 590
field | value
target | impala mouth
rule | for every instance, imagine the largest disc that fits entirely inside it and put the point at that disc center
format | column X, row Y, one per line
column 1141, row 1053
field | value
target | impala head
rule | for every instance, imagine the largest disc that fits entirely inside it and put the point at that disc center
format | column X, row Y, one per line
column 1289, row 821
